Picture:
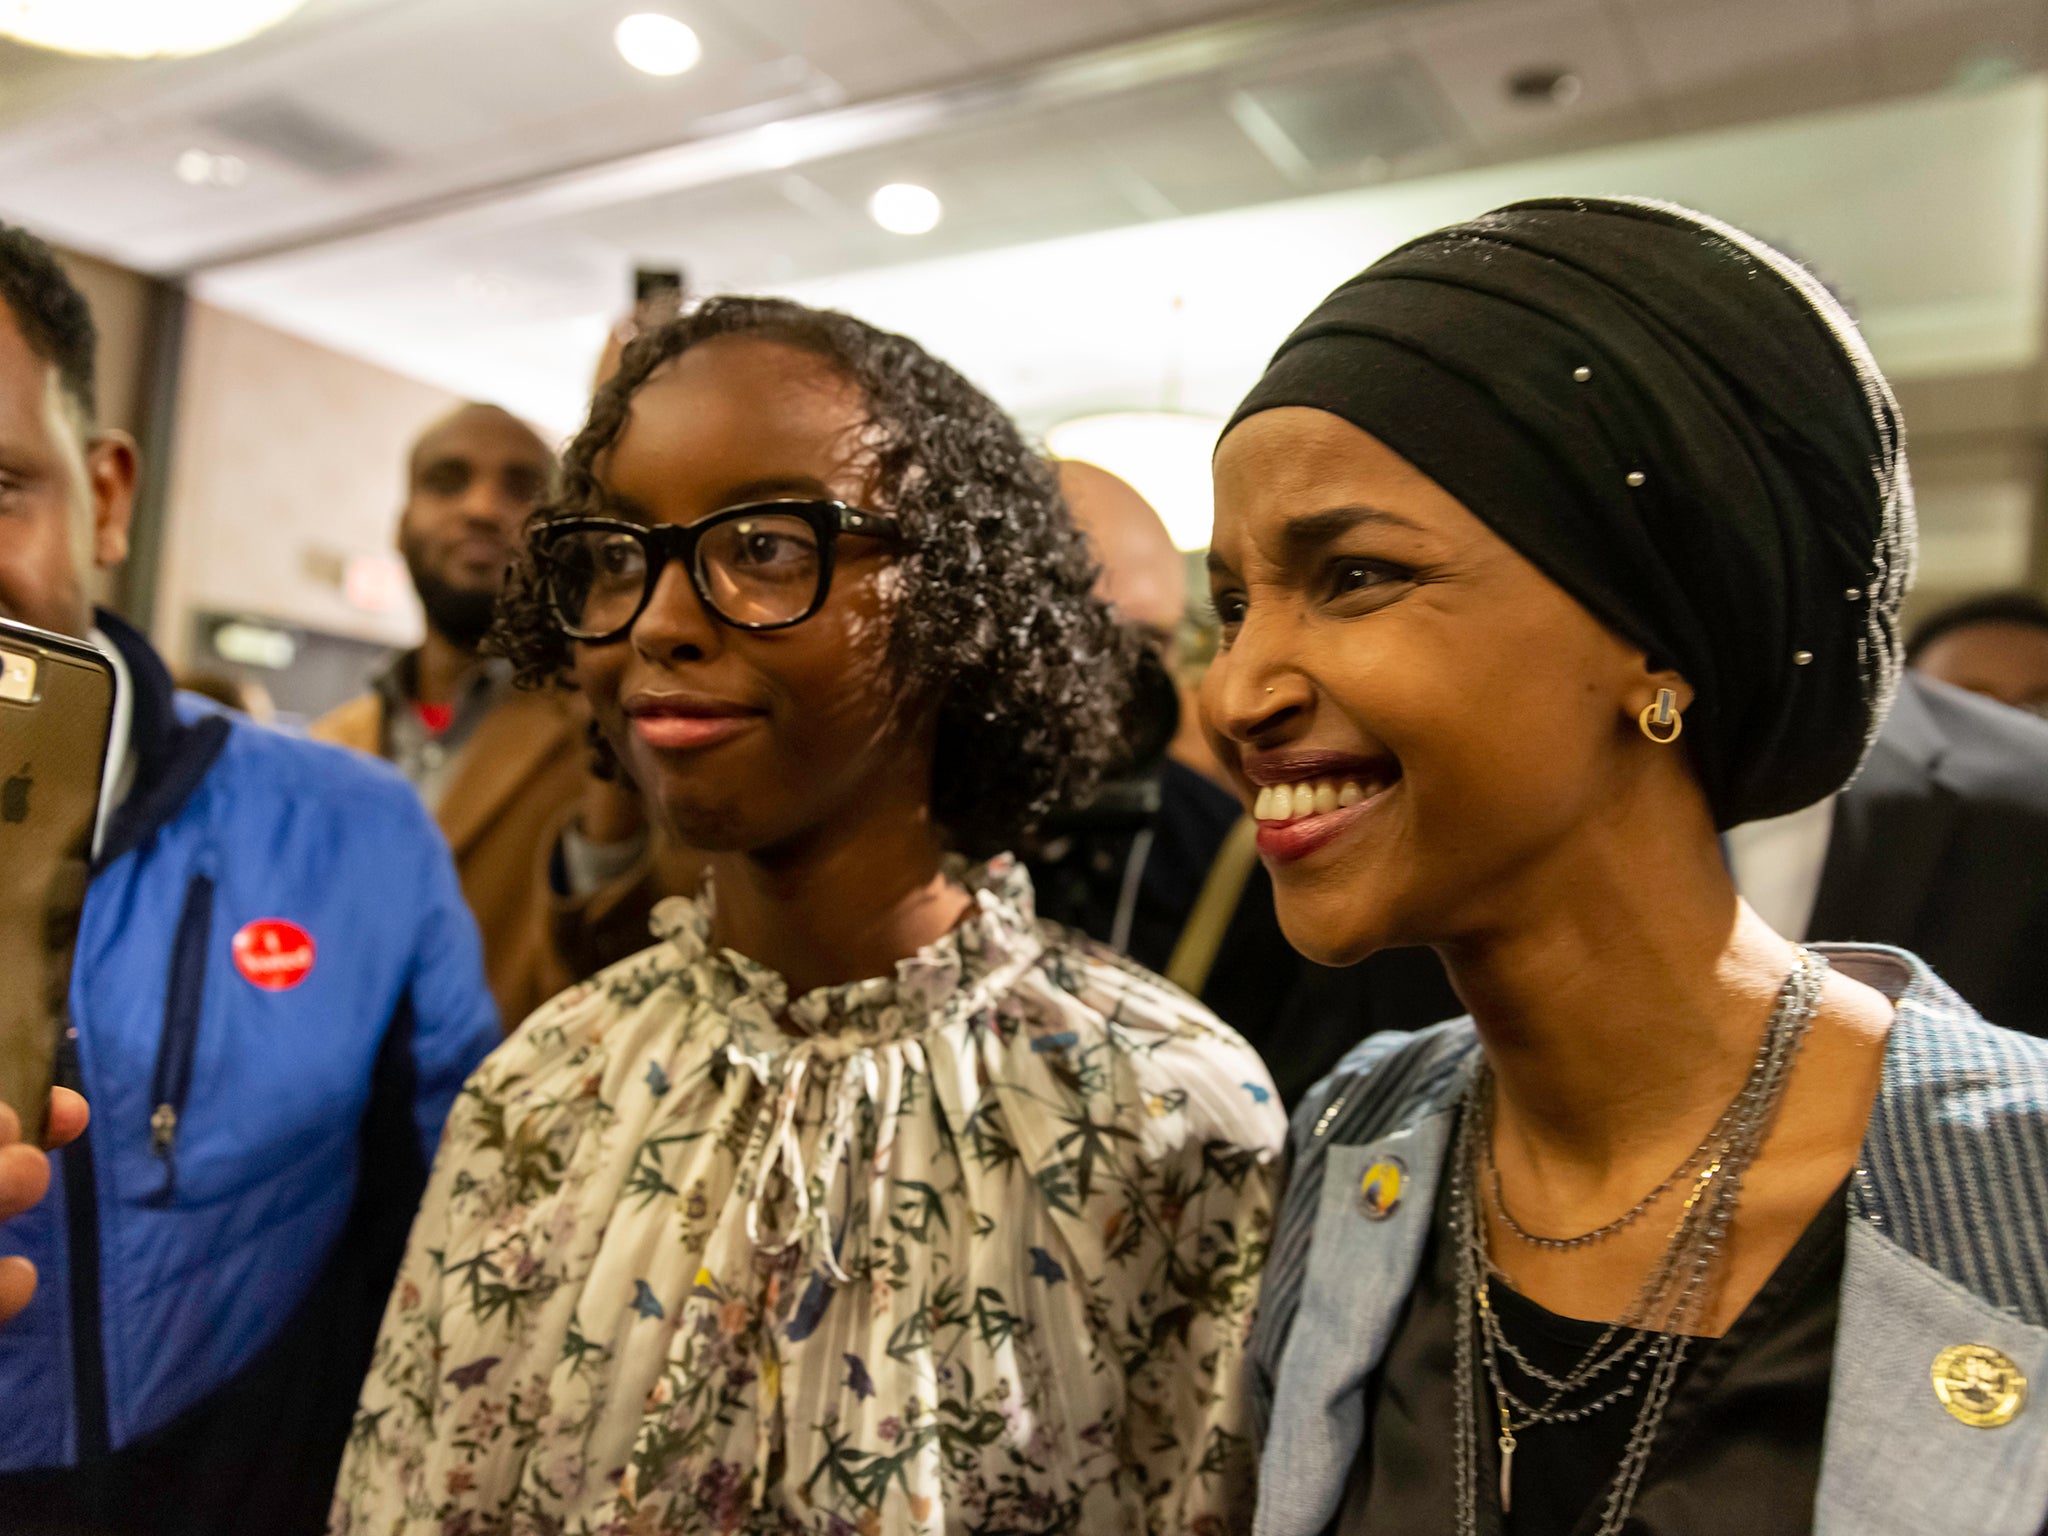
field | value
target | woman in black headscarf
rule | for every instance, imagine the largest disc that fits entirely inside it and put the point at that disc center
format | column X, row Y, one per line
column 1548, row 548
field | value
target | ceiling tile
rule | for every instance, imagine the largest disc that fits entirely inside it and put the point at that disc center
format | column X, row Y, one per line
column 1887, row 13
column 1818, row 83
column 1690, row 43
column 1961, row 44
column 1004, row 31
column 1182, row 144
column 1474, row 50
column 1204, row 10
column 871, row 47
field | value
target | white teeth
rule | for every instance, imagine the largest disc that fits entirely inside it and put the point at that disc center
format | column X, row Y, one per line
column 1290, row 802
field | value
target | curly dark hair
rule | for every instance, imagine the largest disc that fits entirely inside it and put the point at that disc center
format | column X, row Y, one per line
column 995, row 623
column 51, row 313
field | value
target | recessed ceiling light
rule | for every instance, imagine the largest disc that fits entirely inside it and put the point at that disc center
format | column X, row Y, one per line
column 905, row 208
column 203, row 168
column 656, row 44
column 1545, row 85
column 139, row 29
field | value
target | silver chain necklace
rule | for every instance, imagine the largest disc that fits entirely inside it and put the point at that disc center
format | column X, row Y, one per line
column 1651, row 1336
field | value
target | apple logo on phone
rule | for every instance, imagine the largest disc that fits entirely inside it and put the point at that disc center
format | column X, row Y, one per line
column 14, row 796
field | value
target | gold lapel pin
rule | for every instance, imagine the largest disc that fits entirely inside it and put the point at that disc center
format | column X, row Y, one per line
column 1380, row 1190
column 1979, row 1385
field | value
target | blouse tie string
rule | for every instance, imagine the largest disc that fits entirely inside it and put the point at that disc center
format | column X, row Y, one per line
column 862, row 1080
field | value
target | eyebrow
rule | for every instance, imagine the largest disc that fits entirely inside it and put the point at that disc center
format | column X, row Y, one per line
column 1304, row 535
column 625, row 508
column 779, row 487
column 775, row 488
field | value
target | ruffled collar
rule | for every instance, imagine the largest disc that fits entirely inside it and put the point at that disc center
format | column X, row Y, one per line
column 998, row 936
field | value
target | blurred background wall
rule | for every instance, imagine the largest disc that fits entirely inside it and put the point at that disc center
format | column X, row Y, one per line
column 304, row 246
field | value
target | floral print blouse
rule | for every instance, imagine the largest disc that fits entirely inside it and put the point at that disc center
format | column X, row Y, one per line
column 972, row 1248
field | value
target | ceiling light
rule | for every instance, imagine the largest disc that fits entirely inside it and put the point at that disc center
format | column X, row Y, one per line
column 904, row 208
column 139, row 29
column 656, row 44
column 1163, row 454
column 203, row 168
column 1546, row 85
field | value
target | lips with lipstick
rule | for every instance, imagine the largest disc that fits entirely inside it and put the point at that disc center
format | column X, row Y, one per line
column 676, row 722
column 1307, row 800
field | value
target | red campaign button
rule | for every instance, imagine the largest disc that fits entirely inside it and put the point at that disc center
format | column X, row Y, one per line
column 274, row 954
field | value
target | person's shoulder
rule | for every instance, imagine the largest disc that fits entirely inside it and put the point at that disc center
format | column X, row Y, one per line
column 572, row 1038
column 266, row 770
column 357, row 724
column 1945, row 1053
column 1177, row 1054
column 1387, row 1080
column 1958, row 1143
column 311, row 762
column 1136, row 1008
column 1994, row 750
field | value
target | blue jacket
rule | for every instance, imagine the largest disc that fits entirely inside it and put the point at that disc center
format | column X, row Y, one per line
column 1947, row 1245
column 246, row 1109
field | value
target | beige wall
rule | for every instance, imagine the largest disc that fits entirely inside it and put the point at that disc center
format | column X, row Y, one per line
column 1979, row 449
column 289, row 463
column 120, row 308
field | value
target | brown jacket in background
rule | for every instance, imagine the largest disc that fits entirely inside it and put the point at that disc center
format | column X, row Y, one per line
column 514, row 785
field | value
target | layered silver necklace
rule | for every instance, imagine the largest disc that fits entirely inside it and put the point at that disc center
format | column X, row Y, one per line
column 1640, row 1354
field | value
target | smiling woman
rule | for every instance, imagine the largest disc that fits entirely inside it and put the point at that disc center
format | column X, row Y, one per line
column 863, row 1201
column 1548, row 547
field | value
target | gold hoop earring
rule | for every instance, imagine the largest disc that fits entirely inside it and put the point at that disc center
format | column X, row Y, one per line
column 1662, row 716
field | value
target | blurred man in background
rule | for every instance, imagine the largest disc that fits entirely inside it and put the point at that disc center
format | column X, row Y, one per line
column 556, row 860
column 276, row 995
column 1996, row 645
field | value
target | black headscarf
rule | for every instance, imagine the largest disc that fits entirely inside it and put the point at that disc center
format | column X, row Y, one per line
column 1675, row 423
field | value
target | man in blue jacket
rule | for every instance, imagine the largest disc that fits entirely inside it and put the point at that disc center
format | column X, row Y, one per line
column 277, row 993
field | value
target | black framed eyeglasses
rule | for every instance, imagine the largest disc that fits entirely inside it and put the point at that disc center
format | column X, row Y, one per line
column 766, row 565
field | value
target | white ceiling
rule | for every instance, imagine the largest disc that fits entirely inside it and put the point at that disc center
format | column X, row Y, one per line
column 509, row 170
column 448, row 96
column 1929, row 217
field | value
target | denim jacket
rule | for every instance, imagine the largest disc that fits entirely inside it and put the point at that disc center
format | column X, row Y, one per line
column 1947, row 1245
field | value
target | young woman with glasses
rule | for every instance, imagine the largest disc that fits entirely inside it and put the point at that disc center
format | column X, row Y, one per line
column 862, row 1202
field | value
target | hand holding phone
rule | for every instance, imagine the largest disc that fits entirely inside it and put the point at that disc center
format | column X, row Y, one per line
column 25, row 1179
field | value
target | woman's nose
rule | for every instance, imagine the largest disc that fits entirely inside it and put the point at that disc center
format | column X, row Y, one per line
column 675, row 625
column 1252, row 689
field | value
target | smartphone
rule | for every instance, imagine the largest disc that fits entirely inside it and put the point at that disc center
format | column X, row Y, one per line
column 56, row 709
column 658, row 285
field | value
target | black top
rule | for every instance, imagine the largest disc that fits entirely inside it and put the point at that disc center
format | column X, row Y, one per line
column 1738, row 1450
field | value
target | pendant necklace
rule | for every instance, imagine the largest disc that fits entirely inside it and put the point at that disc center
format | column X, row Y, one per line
column 1647, row 1344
